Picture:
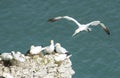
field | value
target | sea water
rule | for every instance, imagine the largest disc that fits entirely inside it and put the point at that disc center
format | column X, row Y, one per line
column 94, row 54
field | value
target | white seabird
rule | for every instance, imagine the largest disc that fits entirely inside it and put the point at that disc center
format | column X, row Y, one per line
column 81, row 27
column 18, row 56
column 60, row 49
column 6, row 56
column 61, row 57
column 50, row 49
column 36, row 49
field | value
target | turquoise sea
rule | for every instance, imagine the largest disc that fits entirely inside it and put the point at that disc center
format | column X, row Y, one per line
column 94, row 55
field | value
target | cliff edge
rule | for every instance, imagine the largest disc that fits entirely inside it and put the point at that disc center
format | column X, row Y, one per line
column 37, row 66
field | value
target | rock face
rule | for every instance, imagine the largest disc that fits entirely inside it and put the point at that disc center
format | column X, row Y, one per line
column 38, row 66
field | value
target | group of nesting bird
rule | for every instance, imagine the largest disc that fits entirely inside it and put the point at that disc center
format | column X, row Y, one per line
column 8, row 58
column 52, row 48
column 13, row 55
column 81, row 27
column 34, row 50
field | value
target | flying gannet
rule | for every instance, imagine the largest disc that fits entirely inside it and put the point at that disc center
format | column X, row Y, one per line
column 81, row 27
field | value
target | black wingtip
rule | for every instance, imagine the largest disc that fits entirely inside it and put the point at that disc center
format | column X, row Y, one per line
column 52, row 20
column 107, row 31
column 105, row 28
column 67, row 54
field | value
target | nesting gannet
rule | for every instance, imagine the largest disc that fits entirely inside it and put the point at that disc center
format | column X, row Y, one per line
column 36, row 49
column 61, row 57
column 18, row 56
column 81, row 27
column 6, row 56
column 60, row 49
column 50, row 49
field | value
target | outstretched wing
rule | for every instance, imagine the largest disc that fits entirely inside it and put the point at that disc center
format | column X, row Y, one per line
column 65, row 17
column 105, row 28
column 96, row 23
column 55, row 19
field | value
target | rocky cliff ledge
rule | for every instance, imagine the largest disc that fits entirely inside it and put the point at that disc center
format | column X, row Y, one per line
column 37, row 66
